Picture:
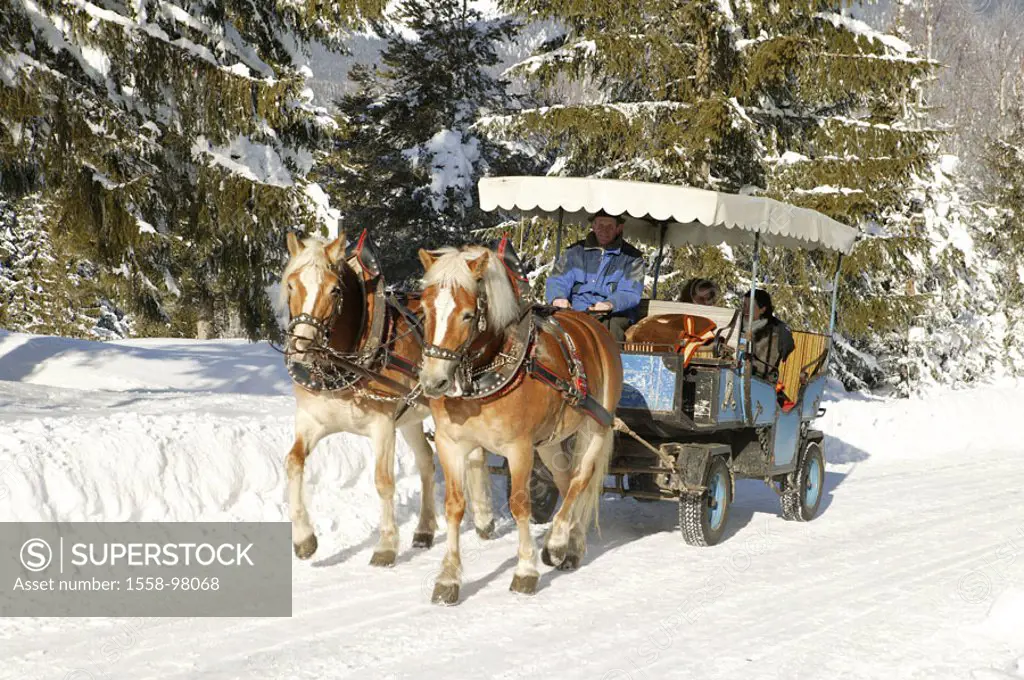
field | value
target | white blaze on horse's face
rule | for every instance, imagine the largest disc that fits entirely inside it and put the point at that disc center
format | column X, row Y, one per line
column 449, row 315
column 444, row 305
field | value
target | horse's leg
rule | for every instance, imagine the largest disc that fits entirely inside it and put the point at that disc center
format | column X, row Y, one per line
column 479, row 482
column 593, row 453
column 559, row 463
column 417, row 440
column 307, row 433
column 382, row 432
column 520, row 465
column 453, row 461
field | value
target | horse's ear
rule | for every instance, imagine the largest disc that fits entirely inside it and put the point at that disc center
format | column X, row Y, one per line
column 294, row 244
column 427, row 259
column 336, row 249
column 479, row 265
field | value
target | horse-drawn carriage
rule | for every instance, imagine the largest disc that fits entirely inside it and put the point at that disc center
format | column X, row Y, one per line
column 676, row 420
column 694, row 415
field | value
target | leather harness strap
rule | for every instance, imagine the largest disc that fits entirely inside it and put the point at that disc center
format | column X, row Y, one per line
column 574, row 389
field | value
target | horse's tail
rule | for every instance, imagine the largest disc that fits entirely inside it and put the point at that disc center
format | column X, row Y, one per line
column 588, row 503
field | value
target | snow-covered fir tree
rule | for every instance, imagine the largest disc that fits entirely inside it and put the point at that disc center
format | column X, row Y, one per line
column 43, row 293
column 961, row 333
column 171, row 139
column 408, row 157
column 793, row 99
column 1006, row 243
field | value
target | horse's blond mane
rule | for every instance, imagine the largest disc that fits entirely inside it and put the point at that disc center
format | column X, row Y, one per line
column 451, row 269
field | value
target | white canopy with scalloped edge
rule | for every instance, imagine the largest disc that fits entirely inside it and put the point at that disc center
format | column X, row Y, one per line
column 692, row 216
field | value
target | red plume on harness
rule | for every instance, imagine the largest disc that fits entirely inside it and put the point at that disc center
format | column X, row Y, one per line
column 510, row 260
column 365, row 255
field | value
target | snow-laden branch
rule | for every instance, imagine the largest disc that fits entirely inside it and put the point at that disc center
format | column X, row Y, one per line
column 858, row 27
column 586, row 48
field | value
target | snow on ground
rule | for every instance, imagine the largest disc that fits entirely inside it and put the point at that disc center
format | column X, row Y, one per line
column 912, row 570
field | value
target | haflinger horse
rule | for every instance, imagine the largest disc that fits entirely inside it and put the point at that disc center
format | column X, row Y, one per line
column 337, row 309
column 562, row 376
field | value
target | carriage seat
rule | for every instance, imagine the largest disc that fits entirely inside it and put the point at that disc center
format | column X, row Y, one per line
column 722, row 320
column 806, row 361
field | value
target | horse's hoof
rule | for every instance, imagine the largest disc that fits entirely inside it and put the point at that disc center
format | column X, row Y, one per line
column 445, row 593
column 526, row 585
column 422, row 540
column 384, row 558
column 487, row 532
column 570, row 563
column 553, row 557
column 306, row 548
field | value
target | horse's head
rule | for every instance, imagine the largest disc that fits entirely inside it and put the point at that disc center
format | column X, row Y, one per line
column 466, row 295
column 312, row 287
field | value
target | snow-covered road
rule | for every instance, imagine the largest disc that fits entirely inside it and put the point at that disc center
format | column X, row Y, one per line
column 914, row 568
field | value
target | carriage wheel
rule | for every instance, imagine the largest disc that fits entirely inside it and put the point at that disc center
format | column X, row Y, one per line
column 800, row 501
column 702, row 517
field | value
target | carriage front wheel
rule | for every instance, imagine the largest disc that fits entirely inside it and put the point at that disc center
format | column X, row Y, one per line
column 703, row 516
column 802, row 496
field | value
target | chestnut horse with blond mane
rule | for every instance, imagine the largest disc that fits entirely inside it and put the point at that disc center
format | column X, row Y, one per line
column 471, row 313
column 332, row 302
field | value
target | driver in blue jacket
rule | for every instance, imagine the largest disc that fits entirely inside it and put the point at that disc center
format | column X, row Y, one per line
column 601, row 273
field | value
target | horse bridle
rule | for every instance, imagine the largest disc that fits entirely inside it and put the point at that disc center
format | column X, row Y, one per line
column 461, row 354
column 322, row 327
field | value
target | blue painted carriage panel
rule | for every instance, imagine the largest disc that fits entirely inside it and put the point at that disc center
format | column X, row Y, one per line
column 730, row 396
column 787, row 438
column 813, row 394
column 762, row 394
column 648, row 383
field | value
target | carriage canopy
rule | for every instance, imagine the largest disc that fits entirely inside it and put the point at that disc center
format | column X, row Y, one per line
column 689, row 215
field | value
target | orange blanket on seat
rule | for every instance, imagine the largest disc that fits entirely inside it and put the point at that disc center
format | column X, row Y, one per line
column 679, row 333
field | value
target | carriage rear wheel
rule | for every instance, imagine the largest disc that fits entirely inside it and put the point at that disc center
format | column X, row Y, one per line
column 702, row 517
column 801, row 498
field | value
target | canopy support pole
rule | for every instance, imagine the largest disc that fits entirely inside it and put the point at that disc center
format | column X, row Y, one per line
column 657, row 263
column 748, row 362
column 835, row 298
column 753, row 287
column 558, row 237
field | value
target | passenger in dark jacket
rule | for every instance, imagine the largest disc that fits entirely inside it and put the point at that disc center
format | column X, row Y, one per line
column 601, row 273
column 773, row 341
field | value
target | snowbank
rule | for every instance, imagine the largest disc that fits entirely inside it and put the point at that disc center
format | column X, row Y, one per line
column 235, row 366
column 936, row 423
column 168, row 430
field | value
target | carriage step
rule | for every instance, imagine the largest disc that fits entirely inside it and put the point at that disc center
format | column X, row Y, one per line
column 646, row 495
column 639, row 470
